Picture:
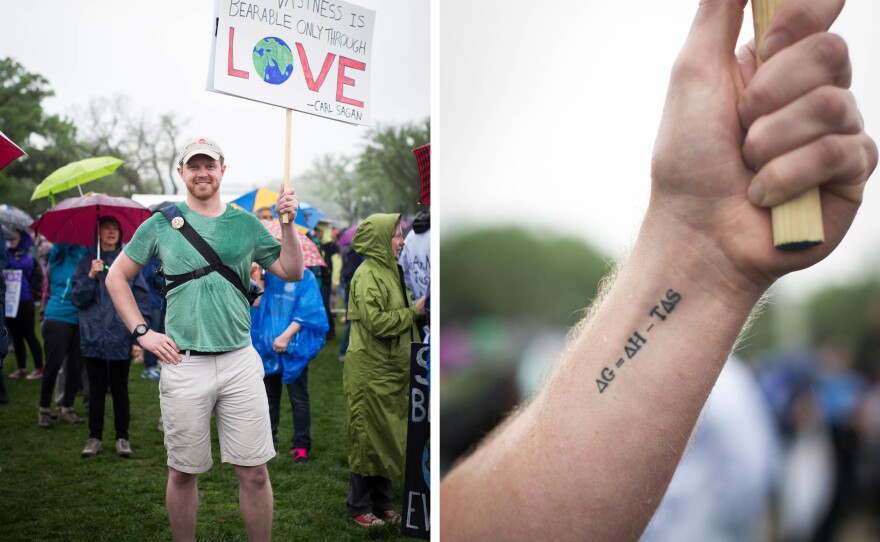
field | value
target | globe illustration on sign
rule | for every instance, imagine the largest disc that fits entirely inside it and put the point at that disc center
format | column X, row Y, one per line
column 273, row 60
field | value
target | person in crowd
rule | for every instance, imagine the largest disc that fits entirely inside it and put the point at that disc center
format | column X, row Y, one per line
column 208, row 339
column 264, row 213
column 591, row 455
column 21, row 326
column 375, row 381
column 288, row 329
column 104, row 340
column 328, row 251
column 61, row 334
column 415, row 259
column 155, row 283
column 4, row 335
column 351, row 260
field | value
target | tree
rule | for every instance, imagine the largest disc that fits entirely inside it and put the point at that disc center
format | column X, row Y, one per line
column 335, row 178
column 516, row 274
column 48, row 140
column 147, row 145
column 389, row 168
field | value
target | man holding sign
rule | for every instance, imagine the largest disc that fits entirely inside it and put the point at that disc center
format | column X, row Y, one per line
column 210, row 363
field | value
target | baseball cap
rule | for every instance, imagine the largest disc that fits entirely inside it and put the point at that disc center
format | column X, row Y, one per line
column 199, row 145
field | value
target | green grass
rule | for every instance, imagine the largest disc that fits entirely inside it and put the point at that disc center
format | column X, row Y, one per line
column 47, row 492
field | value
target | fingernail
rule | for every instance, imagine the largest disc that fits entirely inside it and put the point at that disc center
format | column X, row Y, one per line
column 772, row 44
column 756, row 192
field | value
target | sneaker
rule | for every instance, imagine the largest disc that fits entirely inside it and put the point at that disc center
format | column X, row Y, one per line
column 55, row 413
column 36, row 374
column 43, row 419
column 69, row 416
column 300, row 455
column 390, row 516
column 151, row 373
column 123, row 448
column 367, row 520
column 18, row 373
column 93, row 446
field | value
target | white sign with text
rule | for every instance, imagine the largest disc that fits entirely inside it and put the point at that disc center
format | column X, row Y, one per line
column 311, row 56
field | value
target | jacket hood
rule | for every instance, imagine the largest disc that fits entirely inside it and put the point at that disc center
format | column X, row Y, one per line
column 373, row 238
column 422, row 222
column 24, row 244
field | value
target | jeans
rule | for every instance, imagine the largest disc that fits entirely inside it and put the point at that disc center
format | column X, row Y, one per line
column 298, row 393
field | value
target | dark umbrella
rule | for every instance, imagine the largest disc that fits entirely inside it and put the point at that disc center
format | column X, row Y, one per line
column 75, row 220
column 14, row 218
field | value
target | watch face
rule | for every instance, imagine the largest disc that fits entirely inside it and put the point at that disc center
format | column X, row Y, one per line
column 140, row 329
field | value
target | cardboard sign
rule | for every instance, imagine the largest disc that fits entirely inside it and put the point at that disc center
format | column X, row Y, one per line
column 417, row 476
column 13, row 291
column 312, row 56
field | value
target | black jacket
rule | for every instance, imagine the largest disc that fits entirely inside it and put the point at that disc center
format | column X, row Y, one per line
column 102, row 334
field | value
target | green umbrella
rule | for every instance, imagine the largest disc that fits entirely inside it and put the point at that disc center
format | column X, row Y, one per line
column 75, row 174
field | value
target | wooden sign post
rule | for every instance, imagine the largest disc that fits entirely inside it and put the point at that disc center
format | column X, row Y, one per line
column 797, row 223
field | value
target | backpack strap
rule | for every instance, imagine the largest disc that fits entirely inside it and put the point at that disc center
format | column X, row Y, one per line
column 172, row 212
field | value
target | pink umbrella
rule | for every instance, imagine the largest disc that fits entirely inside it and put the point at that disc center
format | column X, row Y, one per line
column 75, row 220
column 311, row 254
column 9, row 151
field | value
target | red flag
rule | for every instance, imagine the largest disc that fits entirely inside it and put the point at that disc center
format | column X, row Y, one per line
column 423, row 157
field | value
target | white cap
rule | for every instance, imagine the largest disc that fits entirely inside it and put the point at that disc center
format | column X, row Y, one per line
column 199, row 145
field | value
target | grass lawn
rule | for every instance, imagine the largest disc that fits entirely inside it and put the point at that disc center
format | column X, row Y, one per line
column 49, row 493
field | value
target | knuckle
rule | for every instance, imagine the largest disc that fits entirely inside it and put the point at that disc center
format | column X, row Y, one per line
column 756, row 140
column 831, row 50
column 830, row 151
column 832, row 106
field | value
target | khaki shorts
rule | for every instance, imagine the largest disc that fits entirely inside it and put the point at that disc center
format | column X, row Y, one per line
column 231, row 384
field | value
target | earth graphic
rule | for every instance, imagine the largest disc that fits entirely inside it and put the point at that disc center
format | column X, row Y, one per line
column 273, row 60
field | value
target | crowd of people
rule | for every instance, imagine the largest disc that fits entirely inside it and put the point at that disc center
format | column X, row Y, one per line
column 106, row 306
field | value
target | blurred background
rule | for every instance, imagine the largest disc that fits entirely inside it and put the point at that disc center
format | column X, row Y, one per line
column 548, row 114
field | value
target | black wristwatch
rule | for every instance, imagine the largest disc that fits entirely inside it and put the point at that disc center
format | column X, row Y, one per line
column 139, row 331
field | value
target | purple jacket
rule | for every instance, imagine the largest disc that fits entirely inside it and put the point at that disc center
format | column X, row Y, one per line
column 21, row 258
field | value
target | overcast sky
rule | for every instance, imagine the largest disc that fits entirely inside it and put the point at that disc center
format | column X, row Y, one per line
column 548, row 113
column 157, row 53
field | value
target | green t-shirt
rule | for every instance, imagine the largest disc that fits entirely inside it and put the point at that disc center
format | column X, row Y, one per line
column 207, row 313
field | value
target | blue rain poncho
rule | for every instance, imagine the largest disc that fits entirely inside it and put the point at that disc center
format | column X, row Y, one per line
column 283, row 303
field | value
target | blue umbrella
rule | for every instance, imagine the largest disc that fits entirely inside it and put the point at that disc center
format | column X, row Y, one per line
column 307, row 216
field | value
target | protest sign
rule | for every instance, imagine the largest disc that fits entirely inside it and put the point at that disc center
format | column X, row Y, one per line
column 13, row 291
column 417, row 476
column 311, row 56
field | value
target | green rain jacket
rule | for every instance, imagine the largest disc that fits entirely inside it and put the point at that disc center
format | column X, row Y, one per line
column 376, row 371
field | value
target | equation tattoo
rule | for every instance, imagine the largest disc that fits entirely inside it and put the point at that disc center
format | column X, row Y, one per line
column 633, row 345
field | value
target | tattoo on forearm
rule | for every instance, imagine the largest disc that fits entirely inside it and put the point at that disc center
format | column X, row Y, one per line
column 657, row 315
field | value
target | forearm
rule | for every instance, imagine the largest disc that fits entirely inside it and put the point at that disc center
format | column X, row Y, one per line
column 291, row 330
column 291, row 258
column 597, row 447
column 123, row 298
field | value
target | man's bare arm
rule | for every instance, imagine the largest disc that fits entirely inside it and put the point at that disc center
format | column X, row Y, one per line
column 591, row 456
column 123, row 270
column 288, row 266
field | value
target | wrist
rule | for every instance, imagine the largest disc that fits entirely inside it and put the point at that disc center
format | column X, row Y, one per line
column 696, row 258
